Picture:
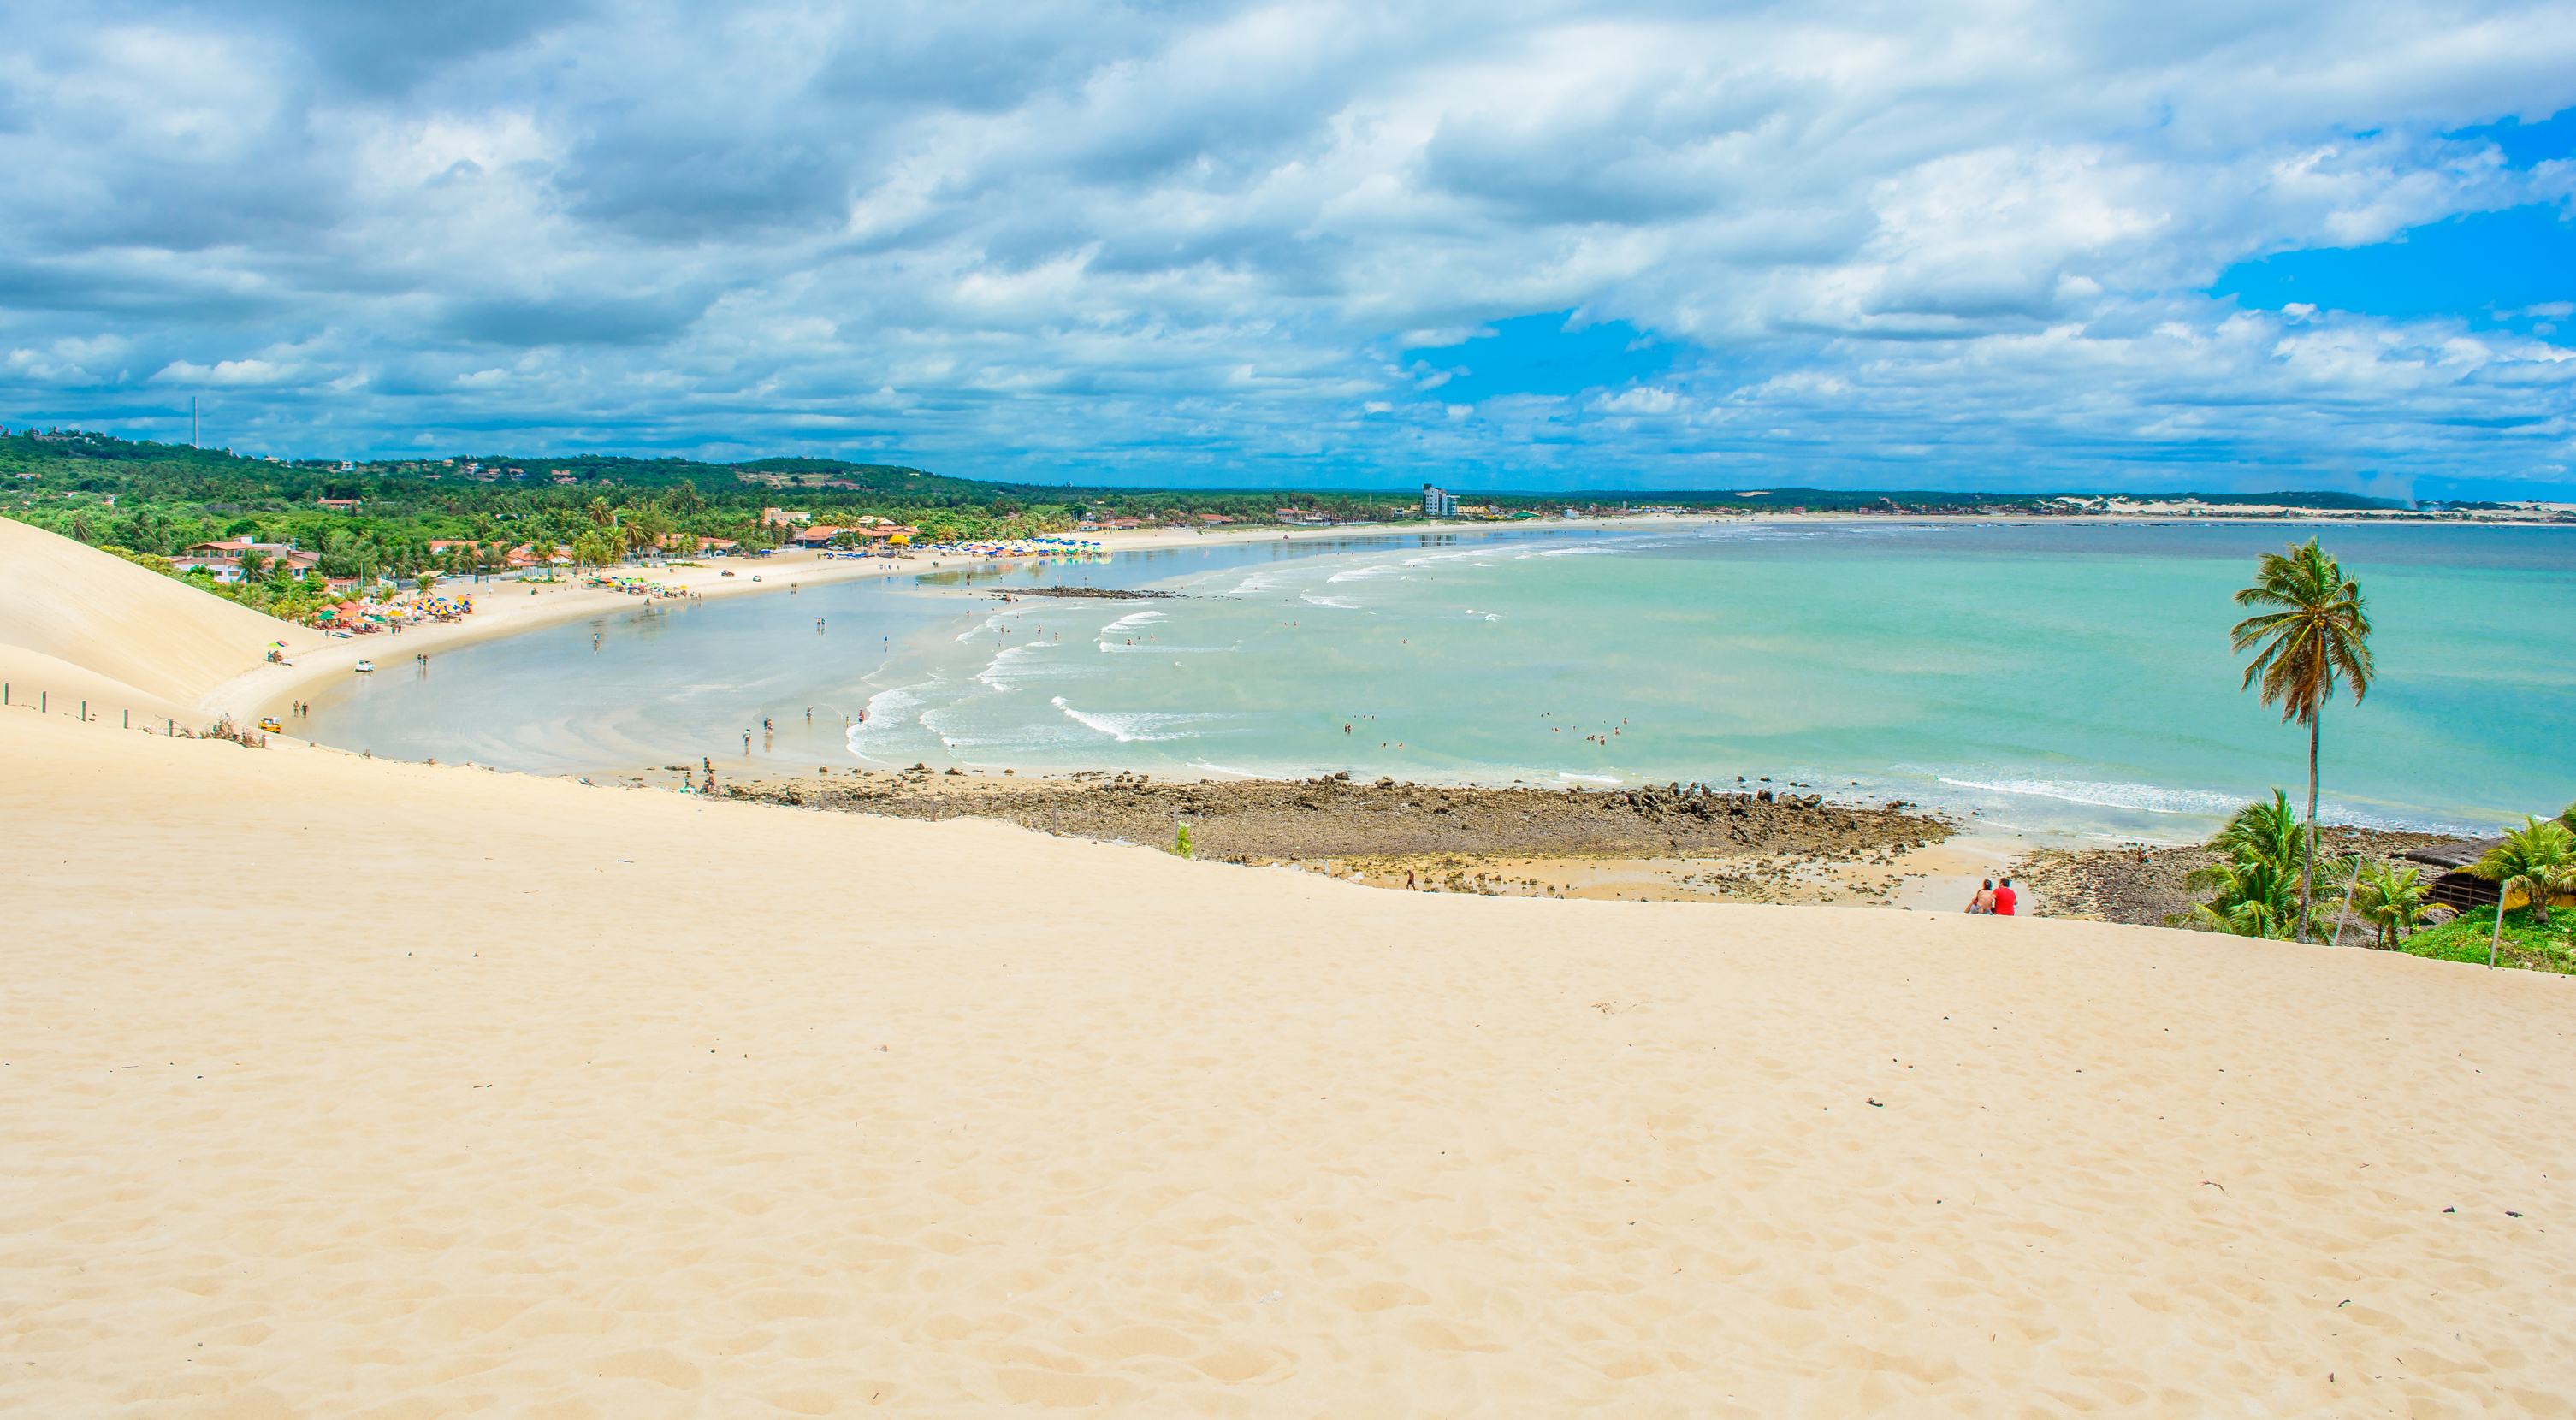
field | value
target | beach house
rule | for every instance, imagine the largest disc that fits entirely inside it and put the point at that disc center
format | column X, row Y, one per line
column 2457, row 888
column 224, row 558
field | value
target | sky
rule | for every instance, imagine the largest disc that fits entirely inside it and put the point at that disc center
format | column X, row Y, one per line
column 2012, row 247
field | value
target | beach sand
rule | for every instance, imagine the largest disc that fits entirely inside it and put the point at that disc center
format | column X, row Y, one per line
column 349, row 1088
column 77, row 624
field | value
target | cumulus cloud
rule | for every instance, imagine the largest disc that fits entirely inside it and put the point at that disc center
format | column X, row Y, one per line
column 1265, row 243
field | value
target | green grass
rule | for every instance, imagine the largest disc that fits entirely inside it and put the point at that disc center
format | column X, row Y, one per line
column 2525, row 944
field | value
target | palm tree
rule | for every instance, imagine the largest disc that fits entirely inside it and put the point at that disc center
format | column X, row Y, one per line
column 2389, row 898
column 2321, row 634
column 2536, row 860
column 2256, row 877
column 646, row 527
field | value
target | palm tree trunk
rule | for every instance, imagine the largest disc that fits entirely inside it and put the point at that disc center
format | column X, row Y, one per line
column 2308, row 871
column 2499, row 928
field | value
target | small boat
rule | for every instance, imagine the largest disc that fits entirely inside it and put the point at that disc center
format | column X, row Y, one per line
column 364, row 667
column 269, row 723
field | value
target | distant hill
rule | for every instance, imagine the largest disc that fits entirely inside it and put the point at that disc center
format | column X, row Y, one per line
column 225, row 485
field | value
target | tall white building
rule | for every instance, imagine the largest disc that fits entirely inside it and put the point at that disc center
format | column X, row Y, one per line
column 1438, row 503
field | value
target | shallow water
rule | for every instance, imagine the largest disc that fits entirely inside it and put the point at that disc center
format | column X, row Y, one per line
column 2061, row 677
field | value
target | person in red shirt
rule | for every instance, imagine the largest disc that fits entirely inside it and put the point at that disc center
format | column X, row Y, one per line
column 2004, row 898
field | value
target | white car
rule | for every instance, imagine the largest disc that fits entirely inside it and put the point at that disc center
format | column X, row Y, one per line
column 364, row 667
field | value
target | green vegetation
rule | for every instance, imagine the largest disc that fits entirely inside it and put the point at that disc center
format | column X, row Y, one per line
column 2521, row 940
column 2391, row 899
column 2321, row 633
column 2255, row 884
column 2533, row 863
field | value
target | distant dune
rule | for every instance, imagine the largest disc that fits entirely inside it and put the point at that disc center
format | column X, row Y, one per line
column 344, row 1087
column 76, row 622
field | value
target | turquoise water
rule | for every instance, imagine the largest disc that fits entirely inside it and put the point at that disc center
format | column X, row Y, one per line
column 2061, row 677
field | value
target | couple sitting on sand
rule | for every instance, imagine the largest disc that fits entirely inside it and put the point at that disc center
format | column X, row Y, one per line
column 1992, row 900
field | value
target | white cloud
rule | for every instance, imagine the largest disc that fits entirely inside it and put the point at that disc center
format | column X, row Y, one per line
column 227, row 372
column 1643, row 400
column 1003, row 237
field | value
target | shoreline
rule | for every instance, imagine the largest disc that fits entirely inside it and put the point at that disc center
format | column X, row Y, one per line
column 1536, row 841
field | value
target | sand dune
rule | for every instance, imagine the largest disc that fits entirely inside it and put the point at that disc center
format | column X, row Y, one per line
column 336, row 1087
column 152, row 642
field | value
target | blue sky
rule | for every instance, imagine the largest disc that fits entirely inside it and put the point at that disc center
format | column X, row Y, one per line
column 1505, row 245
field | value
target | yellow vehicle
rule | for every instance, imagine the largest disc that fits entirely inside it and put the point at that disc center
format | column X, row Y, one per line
column 269, row 723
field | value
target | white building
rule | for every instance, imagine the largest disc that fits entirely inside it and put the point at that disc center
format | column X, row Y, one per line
column 1438, row 503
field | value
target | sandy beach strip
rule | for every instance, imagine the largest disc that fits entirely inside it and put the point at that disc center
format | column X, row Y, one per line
column 366, row 1089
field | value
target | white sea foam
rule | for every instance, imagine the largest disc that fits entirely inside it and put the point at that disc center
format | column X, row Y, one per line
column 1015, row 664
column 2141, row 798
column 1135, row 619
column 887, row 704
column 1337, row 603
column 1126, row 650
column 1129, row 726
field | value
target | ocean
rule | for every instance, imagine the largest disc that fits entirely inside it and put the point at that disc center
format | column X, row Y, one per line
column 2061, row 678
